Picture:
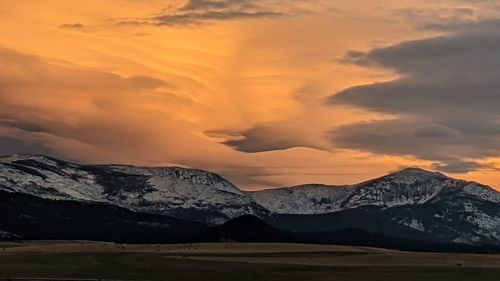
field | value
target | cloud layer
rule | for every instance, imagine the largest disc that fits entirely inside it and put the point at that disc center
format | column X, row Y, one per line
column 201, row 11
column 444, row 107
column 239, row 87
column 80, row 113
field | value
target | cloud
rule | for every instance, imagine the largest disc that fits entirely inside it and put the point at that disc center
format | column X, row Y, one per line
column 444, row 106
column 454, row 15
column 9, row 146
column 86, row 114
column 78, row 27
column 298, row 130
column 440, row 18
column 195, row 18
column 461, row 167
column 73, row 25
column 246, row 175
column 197, row 12
column 197, row 5
column 263, row 137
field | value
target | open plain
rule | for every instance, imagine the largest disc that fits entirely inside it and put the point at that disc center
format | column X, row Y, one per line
column 234, row 261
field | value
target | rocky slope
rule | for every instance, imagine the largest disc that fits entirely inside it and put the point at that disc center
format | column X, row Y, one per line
column 430, row 203
column 412, row 204
column 303, row 199
column 183, row 193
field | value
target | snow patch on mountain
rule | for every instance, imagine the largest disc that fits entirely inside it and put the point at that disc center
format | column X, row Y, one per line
column 164, row 190
column 417, row 199
column 420, row 200
column 483, row 192
column 303, row 199
column 43, row 177
column 488, row 225
column 8, row 235
column 408, row 187
column 413, row 223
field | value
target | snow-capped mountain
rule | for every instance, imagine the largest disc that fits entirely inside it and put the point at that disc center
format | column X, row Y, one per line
column 413, row 186
column 410, row 204
column 410, row 186
column 427, row 202
column 183, row 193
column 303, row 199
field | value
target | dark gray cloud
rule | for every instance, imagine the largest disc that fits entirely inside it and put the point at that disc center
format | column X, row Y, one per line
column 78, row 27
column 461, row 167
column 441, row 18
column 261, row 138
column 203, row 5
column 445, row 105
column 459, row 14
column 202, row 11
column 199, row 17
column 73, row 25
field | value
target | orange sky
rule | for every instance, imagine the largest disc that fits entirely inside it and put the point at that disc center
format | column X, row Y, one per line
column 236, row 87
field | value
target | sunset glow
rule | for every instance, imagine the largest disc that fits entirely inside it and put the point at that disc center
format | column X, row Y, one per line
column 268, row 93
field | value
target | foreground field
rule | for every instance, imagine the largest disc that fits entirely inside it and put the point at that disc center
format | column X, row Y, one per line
column 236, row 262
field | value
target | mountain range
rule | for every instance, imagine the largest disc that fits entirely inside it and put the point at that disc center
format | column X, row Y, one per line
column 47, row 198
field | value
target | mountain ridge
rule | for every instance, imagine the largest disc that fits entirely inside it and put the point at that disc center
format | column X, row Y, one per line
column 402, row 177
column 189, row 193
column 418, row 202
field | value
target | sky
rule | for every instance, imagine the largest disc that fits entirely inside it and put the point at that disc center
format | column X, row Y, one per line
column 268, row 93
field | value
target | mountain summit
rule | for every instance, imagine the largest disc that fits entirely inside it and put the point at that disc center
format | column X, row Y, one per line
column 410, row 186
column 427, row 202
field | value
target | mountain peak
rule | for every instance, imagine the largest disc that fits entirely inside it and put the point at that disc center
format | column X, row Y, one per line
column 415, row 171
column 414, row 174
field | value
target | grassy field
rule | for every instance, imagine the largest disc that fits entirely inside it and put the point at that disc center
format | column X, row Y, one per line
column 237, row 262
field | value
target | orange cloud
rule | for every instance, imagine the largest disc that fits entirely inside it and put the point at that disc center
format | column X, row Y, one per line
column 242, row 97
